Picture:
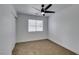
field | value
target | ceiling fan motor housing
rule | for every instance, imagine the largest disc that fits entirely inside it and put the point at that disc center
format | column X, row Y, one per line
column 42, row 5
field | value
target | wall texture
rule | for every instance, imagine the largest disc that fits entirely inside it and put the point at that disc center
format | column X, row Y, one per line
column 22, row 33
column 7, row 29
column 64, row 28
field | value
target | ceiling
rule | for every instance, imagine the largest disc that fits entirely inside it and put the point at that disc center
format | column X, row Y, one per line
column 30, row 8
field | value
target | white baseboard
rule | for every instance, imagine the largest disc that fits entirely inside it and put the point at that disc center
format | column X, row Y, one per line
column 63, row 46
column 31, row 40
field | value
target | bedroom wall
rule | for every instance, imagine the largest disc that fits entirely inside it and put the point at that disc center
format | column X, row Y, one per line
column 22, row 33
column 64, row 28
column 7, row 29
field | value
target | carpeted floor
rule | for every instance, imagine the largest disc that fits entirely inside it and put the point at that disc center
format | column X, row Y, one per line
column 40, row 47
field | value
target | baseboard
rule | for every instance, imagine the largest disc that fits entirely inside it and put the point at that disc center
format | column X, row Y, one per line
column 32, row 40
column 63, row 46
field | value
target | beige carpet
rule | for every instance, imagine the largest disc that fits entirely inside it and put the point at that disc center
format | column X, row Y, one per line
column 40, row 47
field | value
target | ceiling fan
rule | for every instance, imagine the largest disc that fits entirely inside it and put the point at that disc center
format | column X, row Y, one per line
column 45, row 9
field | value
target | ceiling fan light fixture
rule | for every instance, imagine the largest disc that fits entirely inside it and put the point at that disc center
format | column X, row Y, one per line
column 42, row 13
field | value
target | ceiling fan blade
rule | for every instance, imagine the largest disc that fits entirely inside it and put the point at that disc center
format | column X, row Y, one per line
column 48, row 6
column 49, row 11
column 36, row 8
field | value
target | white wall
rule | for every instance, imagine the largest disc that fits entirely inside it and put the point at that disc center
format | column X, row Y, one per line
column 22, row 33
column 64, row 28
column 7, row 29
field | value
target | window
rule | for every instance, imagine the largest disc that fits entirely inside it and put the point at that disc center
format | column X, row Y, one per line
column 35, row 25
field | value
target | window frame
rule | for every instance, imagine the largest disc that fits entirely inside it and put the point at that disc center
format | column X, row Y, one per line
column 36, row 25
